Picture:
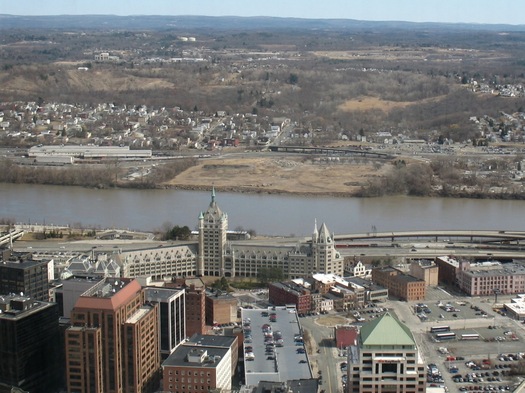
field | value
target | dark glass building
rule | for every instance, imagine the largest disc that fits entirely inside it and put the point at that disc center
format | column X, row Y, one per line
column 29, row 344
column 18, row 275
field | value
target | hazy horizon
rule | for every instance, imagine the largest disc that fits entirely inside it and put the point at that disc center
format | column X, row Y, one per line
column 444, row 11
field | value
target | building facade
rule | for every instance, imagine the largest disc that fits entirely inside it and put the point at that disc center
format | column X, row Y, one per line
column 221, row 307
column 203, row 364
column 399, row 284
column 195, row 310
column 29, row 344
column 159, row 262
column 113, row 343
column 289, row 292
column 22, row 276
column 425, row 270
column 213, row 227
column 172, row 316
column 487, row 278
column 385, row 359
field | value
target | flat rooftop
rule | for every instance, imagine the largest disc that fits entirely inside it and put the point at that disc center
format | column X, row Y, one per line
column 505, row 269
column 141, row 312
column 161, row 294
column 286, row 363
column 211, row 340
column 179, row 357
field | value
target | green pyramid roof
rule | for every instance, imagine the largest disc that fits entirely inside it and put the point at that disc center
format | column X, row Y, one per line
column 386, row 331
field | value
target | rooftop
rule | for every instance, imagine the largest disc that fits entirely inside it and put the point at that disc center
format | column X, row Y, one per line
column 386, row 331
column 495, row 269
column 215, row 341
column 161, row 294
column 139, row 314
column 15, row 307
column 179, row 358
column 110, row 293
column 284, row 363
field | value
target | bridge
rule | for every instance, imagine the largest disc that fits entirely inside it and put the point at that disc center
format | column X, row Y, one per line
column 332, row 151
column 485, row 236
column 11, row 236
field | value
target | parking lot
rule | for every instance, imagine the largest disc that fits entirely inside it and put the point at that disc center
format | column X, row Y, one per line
column 497, row 335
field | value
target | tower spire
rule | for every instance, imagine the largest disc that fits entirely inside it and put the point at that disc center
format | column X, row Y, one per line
column 213, row 194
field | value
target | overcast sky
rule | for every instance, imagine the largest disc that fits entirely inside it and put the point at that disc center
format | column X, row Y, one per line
column 471, row 11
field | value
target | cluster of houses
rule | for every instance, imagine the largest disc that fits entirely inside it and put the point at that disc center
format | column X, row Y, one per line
column 138, row 127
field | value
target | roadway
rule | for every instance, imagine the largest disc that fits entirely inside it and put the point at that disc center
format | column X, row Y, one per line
column 471, row 236
column 325, row 362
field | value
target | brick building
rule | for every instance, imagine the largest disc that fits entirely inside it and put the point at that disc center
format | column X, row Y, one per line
column 448, row 270
column 202, row 364
column 283, row 293
column 221, row 307
column 399, row 284
column 113, row 343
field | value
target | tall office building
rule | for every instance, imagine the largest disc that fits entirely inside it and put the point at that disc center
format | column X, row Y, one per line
column 213, row 225
column 113, row 345
column 22, row 276
column 29, row 344
column 385, row 359
column 172, row 317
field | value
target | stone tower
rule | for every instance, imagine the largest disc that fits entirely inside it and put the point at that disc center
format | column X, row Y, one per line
column 213, row 225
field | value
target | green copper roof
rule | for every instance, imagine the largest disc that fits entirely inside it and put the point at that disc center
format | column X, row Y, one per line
column 386, row 331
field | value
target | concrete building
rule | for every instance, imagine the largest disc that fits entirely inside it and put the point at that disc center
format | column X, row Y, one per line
column 21, row 275
column 516, row 308
column 280, row 361
column 29, row 344
column 202, row 364
column 172, row 317
column 484, row 278
column 213, row 225
column 373, row 292
column 358, row 269
column 70, row 290
column 425, row 270
column 218, row 257
column 216, row 254
column 113, row 343
column 399, row 284
column 159, row 262
column 221, row 307
column 385, row 359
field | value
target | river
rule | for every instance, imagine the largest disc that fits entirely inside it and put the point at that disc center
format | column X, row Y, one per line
column 281, row 215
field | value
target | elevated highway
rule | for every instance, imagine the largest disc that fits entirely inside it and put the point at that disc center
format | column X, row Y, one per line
column 333, row 151
column 484, row 236
column 11, row 236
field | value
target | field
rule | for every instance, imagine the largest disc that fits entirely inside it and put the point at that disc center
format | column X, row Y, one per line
column 280, row 175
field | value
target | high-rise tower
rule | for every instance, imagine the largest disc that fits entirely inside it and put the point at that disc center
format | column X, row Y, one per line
column 113, row 343
column 213, row 225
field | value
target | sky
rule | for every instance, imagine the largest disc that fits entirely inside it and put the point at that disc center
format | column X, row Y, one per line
column 454, row 11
